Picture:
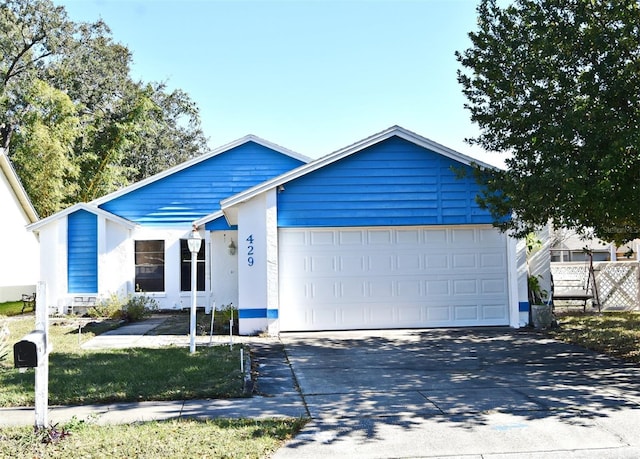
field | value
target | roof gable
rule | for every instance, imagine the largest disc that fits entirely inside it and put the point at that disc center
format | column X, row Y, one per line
column 81, row 207
column 425, row 144
column 6, row 167
column 187, row 164
column 194, row 189
column 393, row 182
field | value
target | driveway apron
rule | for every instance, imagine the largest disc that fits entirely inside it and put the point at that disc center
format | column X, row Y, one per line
column 461, row 392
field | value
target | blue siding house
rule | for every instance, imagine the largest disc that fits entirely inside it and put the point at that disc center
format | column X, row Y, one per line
column 379, row 234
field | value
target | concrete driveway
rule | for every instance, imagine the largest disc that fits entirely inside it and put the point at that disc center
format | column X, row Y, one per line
column 464, row 392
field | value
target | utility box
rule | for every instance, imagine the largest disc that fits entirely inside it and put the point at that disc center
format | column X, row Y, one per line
column 31, row 350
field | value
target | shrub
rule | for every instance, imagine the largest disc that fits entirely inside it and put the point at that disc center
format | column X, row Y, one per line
column 132, row 308
column 222, row 317
column 110, row 308
column 138, row 307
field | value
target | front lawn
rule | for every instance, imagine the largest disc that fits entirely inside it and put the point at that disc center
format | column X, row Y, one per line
column 80, row 377
column 614, row 333
column 13, row 308
column 167, row 439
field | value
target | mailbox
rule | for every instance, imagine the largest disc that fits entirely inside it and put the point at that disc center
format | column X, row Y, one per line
column 31, row 350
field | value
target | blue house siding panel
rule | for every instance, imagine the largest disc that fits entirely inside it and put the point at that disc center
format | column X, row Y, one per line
column 196, row 191
column 219, row 224
column 82, row 252
column 392, row 183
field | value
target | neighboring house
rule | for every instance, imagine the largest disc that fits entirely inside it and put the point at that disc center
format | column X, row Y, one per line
column 19, row 247
column 569, row 246
column 380, row 234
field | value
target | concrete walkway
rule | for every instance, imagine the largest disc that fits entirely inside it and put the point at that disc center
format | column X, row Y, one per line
column 276, row 393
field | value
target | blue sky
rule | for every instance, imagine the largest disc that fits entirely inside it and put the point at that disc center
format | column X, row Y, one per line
column 312, row 76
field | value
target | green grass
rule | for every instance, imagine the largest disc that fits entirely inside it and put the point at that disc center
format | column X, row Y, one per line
column 80, row 377
column 614, row 333
column 168, row 439
column 12, row 308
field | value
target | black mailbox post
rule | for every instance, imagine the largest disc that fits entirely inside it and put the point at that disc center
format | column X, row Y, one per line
column 30, row 351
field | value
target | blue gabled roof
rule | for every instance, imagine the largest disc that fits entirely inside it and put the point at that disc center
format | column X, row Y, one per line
column 392, row 183
column 194, row 189
column 394, row 177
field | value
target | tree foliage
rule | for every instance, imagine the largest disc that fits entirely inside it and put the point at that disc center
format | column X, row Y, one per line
column 43, row 146
column 76, row 124
column 556, row 85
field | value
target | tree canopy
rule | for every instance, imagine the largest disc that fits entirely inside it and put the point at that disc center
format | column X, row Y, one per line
column 75, row 123
column 555, row 84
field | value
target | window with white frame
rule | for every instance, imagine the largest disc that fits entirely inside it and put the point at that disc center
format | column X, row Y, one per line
column 149, row 261
column 185, row 267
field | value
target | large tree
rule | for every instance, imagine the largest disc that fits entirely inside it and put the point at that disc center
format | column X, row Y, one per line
column 31, row 34
column 555, row 85
column 118, row 130
column 42, row 147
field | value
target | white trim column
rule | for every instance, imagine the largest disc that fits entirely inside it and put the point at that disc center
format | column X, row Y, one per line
column 253, row 265
column 272, row 262
column 517, row 269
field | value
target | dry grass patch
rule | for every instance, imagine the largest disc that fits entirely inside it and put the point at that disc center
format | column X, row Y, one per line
column 614, row 333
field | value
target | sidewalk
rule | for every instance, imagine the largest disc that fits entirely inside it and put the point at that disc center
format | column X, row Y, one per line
column 259, row 407
column 277, row 395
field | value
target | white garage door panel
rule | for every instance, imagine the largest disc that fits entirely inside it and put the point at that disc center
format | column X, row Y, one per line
column 392, row 277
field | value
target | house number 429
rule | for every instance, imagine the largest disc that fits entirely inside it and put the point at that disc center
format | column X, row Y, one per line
column 250, row 250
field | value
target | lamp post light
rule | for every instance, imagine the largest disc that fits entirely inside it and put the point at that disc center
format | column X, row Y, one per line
column 193, row 243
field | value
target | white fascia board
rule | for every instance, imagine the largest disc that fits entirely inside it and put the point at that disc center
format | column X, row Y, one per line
column 207, row 218
column 199, row 159
column 82, row 206
column 230, row 215
column 16, row 185
column 346, row 151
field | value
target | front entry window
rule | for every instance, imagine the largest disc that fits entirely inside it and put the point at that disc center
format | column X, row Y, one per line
column 149, row 260
column 185, row 267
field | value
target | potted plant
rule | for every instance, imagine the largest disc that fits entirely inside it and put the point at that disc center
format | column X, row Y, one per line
column 541, row 308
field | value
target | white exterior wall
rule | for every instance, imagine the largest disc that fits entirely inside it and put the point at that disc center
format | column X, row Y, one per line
column 53, row 263
column 224, row 268
column 116, row 265
column 540, row 261
column 115, row 259
column 19, row 247
column 257, row 262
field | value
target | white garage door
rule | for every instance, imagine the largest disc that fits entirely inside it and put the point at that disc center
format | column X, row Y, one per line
column 359, row 278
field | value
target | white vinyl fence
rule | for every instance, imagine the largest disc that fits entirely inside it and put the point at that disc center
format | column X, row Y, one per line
column 617, row 282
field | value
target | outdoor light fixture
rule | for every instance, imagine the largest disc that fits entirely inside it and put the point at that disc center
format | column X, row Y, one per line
column 232, row 248
column 194, row 242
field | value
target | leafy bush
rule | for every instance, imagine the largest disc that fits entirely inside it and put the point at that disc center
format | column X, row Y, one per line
column 110, row 308
column 138, row 307
column 223, row 316
column 132, row 308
